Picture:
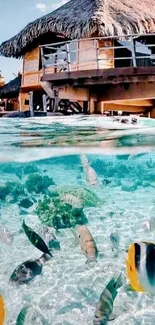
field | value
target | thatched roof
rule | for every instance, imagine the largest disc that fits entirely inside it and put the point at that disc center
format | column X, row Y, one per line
column 82, row 18
column 11, row 89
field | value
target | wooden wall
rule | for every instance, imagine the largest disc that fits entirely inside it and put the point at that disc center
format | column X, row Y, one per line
column 22, row 98
column 31, row 74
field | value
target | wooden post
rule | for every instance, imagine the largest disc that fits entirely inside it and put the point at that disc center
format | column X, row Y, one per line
column 85, row 108
column 68, row 57
column 42, row 59
column 20, row 102
column 31, row 104
column 44, row 97
column 152, row 112
column 91, row 106
column 133, row 52
column 97, row 54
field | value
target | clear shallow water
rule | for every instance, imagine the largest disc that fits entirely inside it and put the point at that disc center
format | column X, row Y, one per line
column 124, row 160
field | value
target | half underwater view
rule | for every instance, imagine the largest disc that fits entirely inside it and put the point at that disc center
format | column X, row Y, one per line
column 77, row 221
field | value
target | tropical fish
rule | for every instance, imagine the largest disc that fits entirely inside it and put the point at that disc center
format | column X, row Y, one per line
column 35, row 239
column 140, row 266
column 90, row 173
column 72, row 200
column 87, row 242
column 104, row 307
column 2, row 311
column 49, row 237
column 114, row 238
column 84, row 161
column 36, row 312
column 22, row 315
column 26, row 271
column 5, row 236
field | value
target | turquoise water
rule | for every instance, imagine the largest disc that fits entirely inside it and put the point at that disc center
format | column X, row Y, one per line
column 40, row 160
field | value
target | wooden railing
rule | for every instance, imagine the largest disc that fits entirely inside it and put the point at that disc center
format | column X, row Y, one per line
column 98, row 53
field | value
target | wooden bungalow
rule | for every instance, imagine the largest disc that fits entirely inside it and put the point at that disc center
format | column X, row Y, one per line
column 89, row 56
column 9, row 95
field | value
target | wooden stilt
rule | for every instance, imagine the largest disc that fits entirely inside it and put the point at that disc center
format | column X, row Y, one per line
column 44, row 97
column 152, row 112
column 31, row 104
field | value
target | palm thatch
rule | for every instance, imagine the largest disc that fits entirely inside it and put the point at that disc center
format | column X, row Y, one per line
column 11, row 89
column 83, row 18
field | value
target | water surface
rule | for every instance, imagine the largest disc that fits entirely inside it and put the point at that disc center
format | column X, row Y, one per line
column 123, row 158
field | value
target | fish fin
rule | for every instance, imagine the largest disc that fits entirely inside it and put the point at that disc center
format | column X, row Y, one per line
column 116, row 313
column 22, row 315
column 2, row 310
column 76, row 239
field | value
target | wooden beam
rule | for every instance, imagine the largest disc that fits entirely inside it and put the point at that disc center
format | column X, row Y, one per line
column 100, row 75
column 111, row 93
column 138, row 102
column 124, row 108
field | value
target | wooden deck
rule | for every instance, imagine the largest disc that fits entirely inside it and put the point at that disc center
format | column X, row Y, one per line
column 103, row 76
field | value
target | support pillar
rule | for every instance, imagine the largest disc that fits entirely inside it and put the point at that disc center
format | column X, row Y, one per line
column 31, row 104
column 100, row 108
column 44, row 97
column 152, row 112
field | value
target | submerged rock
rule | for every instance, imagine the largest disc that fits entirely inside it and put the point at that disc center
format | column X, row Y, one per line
column 128, row 186
column 25, row 203
column 57, row 214
column 11, row 191
column 38, row 184
column 29, row 169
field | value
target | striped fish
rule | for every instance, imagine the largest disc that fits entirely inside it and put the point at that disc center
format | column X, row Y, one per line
column 104, row 307
column 87, row 242
column 36, row 313
column 84, row 161
column 72, row 200
column 22, row 315
column 90, row 173
column 140, row 266
column 5, row 236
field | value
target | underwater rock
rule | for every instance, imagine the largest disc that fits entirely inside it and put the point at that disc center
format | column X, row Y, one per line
column 128, row 186
column 37, row 183
column 29, row 169
column 26, row 203
column 57, row 214
column 146, row 184
column 3, row 192
column 13, row 190
column 87, row 197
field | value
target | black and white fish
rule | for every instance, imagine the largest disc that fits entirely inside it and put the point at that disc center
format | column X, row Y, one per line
column 26, row 271
column 104, row 307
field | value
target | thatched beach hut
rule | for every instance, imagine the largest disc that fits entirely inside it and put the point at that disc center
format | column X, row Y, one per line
column 9, row 93
column 92, row 28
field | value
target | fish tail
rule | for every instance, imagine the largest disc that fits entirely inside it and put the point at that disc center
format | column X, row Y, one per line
column 44, row 258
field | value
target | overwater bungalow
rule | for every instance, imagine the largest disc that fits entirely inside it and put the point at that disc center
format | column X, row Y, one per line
column 10, row 95
column 89, row 56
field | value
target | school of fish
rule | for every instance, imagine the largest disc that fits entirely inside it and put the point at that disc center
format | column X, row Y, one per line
column 140, row 260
